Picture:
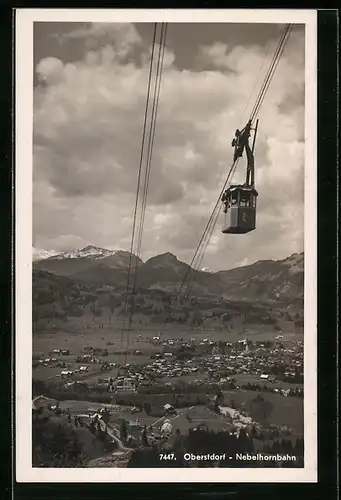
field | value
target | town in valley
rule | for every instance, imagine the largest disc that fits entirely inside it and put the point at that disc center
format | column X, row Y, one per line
column 220, row 367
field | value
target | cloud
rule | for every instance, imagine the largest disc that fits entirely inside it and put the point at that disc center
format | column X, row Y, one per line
column 50, row 70
column 88, row 119
column 121, row 37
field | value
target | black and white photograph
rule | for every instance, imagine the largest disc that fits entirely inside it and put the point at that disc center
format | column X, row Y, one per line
column 166, row 245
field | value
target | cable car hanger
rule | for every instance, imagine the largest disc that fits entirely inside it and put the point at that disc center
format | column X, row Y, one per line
column 240, row 143
column 212, row 221
column 240, row 200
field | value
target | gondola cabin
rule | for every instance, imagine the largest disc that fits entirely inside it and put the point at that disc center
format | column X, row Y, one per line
column 240, row 209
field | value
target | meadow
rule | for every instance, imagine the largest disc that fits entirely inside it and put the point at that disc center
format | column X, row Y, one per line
column 285, row 411
column 100, row 334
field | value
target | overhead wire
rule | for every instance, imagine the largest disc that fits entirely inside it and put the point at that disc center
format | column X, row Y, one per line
column 271, row 71
column 256, row 81
column 196, row 268
column 201, row 253
column 210, row 226
column 247, row 104
column 152, row 129
column 259, row 101
column 256, row 108
column 144, row 128
column 157, row 89
column 156, row 98
column 202, row 240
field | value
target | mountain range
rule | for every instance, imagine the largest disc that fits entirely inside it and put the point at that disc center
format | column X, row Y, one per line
column 264, row 280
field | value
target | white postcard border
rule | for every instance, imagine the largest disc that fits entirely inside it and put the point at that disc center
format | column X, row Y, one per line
column 23, row 248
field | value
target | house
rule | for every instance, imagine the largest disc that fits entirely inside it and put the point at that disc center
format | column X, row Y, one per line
column 169, row 409
column 166, row 428
column 136, row 409
column 68, row 385
column 42, row 402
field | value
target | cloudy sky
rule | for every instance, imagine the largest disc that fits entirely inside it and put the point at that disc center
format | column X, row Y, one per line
column 90, row 86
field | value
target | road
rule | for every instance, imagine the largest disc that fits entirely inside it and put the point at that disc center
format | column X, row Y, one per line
column 113, row 433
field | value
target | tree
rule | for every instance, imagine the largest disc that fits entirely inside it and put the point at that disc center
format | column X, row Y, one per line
column 197, row 318
column 147, row 408
column 106, row 416
column 260, row 409
column 254, row 432
column 219, row 400
column 124, row 431
column 97, row 312
column 182, row 355
column 145, row 436
column 54, row 444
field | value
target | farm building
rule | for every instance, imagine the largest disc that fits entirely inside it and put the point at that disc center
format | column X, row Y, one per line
column 169, row 409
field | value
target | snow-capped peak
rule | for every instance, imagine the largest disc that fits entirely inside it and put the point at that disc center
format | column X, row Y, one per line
column 89, row 251
column 39, row 254
column 206, row 270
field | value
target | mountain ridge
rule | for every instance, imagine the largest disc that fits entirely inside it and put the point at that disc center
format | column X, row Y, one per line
column 89, row 251
column 264, row 279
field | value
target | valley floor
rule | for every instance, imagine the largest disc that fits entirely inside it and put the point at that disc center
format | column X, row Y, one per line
column 282, row 413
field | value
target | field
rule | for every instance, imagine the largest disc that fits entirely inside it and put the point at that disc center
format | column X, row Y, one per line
column 244, row 378
column 286, row 411
column 99, row 337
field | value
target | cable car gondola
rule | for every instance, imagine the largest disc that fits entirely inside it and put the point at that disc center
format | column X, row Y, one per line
column 240, row 199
